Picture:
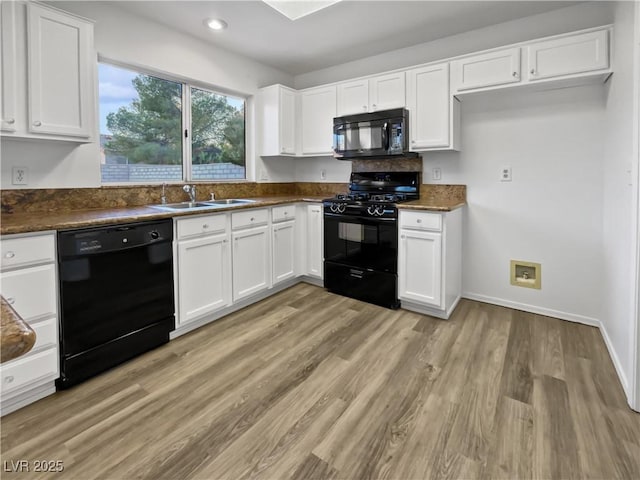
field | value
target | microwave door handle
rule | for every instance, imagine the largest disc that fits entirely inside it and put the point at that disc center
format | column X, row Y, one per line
column 385, row 136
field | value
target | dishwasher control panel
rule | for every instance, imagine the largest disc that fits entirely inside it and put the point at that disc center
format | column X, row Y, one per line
column 114, row 237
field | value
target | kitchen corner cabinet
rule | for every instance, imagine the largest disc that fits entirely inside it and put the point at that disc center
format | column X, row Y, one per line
column 380, row 92
column 29, row 284
column 315, row 241
column 318, row 108
column 203, row 266
column 251, row 252
column 434, row 114
column 54, row 59
column 283, row 241
column 429, row 261
column 277, row 117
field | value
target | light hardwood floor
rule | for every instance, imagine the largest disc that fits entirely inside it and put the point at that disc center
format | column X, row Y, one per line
column 310, row 385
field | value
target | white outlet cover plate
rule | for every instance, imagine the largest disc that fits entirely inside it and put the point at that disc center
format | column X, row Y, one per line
column 19, row 175
column 505, row 174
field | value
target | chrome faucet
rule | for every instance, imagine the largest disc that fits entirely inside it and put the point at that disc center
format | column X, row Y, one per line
column 191, row 190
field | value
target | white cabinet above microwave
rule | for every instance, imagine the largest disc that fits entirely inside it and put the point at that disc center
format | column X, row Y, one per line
column 371, row 94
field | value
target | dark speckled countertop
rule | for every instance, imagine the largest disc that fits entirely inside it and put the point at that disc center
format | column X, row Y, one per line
column 445, row 199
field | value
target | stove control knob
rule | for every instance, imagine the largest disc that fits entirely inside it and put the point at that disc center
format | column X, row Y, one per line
column 371, row 210
column 342, row 207
column 154, row 235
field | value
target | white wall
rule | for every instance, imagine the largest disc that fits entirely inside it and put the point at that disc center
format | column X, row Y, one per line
column 585, row 15
column 550, row 213
column 620, row 216
column 133, row 40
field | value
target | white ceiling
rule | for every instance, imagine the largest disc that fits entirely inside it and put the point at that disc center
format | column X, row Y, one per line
column 346, row 31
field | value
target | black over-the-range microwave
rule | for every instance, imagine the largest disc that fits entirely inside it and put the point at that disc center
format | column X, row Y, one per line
column 371, row 135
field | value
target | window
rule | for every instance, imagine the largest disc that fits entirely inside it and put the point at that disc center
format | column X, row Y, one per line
column 156, row 130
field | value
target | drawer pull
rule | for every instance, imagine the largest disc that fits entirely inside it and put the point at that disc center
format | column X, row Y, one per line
column 286, row 213
column 419, row 220
column 206, row 225
column 37, row 124
column 252, row 219
column 9, row 255
column 8, row 379
column 403, row 237
column 11, row 300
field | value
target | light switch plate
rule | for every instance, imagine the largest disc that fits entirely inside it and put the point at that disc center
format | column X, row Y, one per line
column 436, row 173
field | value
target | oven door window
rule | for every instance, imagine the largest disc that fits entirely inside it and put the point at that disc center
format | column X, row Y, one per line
column 361, row 243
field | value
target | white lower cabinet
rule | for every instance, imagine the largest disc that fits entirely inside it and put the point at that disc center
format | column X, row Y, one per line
column 29, row 284
column 251, row 253
column 204, row 276
column 283, row 243
column 314, row 241
column 429, row 261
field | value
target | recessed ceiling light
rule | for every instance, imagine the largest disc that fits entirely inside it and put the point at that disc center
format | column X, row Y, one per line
column 295, row 9
column 216, row 24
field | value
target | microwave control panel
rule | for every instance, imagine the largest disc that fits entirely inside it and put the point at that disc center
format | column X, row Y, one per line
column 396, row 138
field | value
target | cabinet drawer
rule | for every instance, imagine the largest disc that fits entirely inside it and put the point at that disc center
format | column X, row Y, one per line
column 421, row 221
column 24, row 370
column 31, row 291
column 249, row 218
column 24, row 251
column 189, row 227
column 282, row 213
column 46, row 333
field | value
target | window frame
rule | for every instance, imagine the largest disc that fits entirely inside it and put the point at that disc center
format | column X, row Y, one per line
column 187, row 84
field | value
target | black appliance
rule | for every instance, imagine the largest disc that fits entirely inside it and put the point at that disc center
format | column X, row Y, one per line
column 361, row 236
column 371, row 135
column 116, row 295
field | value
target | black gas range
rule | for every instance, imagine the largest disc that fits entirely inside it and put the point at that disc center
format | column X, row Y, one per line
column 361, row 236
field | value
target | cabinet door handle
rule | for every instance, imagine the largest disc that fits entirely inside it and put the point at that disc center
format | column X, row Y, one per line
column 374, row 106
column 533, row 71
column 9, row 254
column 402, row 236
column 364, row 107
column 515, row 74
column 37, row 123
column 8, row 379
column 11, row 300
column 224, row 241
column 11, row 121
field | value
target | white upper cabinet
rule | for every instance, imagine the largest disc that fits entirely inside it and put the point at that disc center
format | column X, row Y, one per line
column 318, row 106
column 48, row 63
column 486, row 70
column 8, row 67
column 277, row 116
column 433, row 113
column 60, row 52
column 353, row 97
column 371, row 94
column 387, row 91
column 568, row 55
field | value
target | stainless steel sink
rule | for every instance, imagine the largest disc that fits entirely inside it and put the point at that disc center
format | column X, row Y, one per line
column 184, row 206
column 229, row 201
column 202, row 205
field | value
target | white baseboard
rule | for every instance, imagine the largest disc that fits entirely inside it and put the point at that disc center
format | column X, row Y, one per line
column 571, row 317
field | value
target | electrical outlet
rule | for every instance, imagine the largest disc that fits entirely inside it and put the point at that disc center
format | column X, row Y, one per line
column 19, row 176
column 505, row 173
column 436, row 173
column 264, row 175
column 323, row 174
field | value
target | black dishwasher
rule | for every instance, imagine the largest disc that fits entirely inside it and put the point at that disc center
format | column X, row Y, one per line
column 116, row 295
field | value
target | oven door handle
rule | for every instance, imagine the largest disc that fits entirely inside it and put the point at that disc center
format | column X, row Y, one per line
column 361, row 220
